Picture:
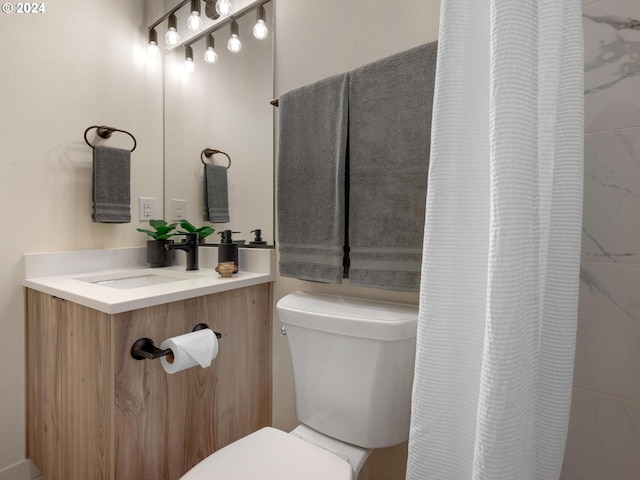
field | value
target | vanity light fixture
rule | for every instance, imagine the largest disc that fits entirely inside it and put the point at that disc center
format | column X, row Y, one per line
column 234, row 44
column 224, row 7
column 152, row 47
column 210, row 9
column 189, row 66
column 210, row 55
column 194, row 22
column 260, row 30
column 171, row 37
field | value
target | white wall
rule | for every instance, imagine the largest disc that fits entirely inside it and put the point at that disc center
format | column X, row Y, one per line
column 315, row 40
column 77, row 64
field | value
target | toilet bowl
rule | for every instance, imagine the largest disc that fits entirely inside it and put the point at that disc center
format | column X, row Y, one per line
column 353, row 372
column 271, row 454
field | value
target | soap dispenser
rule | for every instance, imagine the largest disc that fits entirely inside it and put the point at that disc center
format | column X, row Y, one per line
column 257, row 242
column 227, row 250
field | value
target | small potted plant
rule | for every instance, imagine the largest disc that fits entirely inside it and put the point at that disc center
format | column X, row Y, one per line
column 203, row 232
column 157, row 253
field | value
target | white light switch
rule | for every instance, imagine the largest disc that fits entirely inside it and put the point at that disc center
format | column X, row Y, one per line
column 178, row 208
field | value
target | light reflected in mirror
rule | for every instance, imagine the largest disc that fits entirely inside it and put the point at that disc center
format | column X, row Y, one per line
column 222, row 106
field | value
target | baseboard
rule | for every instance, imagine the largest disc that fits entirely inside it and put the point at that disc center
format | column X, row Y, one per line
column 24, row 470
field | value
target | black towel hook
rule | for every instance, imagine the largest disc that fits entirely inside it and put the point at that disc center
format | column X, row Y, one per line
column 210, row 152
column 105, row 132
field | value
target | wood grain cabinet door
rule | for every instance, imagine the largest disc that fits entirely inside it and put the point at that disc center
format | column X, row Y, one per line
column 96, row 413
column 69, row 389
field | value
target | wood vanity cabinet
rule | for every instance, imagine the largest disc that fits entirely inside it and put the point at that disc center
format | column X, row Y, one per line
column 93, row 412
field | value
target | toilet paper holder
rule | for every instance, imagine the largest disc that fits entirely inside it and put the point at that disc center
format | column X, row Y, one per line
column 145, row 348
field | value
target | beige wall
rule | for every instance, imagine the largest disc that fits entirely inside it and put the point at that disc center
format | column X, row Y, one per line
column 77, row 64
column 315, row 40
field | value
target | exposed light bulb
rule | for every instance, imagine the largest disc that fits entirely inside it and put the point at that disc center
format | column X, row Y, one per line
column 152, row 47
column 210, row 55
column 194, row 22
column 223, row 7
column 171, row 37
column 260, row 30
column 210, row 10
column 153, row 51
column 234, row 44
column 189, row 66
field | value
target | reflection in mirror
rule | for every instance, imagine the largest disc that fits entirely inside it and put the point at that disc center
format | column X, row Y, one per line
column 222, row 106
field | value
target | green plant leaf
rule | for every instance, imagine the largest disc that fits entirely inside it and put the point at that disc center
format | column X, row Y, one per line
column 187, row 226
column 157, row 223
column 148, row 232
column 205, row 231
column 162, row 230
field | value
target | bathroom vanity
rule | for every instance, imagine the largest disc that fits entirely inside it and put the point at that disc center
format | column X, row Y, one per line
column 94, row 412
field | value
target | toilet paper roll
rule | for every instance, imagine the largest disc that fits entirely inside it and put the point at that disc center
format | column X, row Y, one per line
column 189, row 350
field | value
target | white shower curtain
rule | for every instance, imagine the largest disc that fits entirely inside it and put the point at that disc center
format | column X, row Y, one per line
column 499, row 291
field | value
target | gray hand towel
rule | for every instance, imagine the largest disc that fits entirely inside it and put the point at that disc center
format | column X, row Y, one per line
column 311, row 180
column 111, row 185
column 390, row 103
column 216, row 194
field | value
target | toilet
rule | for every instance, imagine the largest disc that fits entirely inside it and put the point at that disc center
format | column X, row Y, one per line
column 353, row 372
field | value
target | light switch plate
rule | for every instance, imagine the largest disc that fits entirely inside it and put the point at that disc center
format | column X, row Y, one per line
column 146, row 208
column 178, row 208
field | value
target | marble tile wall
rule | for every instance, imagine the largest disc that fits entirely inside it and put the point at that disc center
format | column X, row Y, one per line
column 604, row 432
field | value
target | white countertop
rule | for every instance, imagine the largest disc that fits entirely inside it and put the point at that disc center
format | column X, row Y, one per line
column 69, row 275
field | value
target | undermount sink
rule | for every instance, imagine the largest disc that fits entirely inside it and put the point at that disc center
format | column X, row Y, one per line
column 125, row 281
column 136, row 282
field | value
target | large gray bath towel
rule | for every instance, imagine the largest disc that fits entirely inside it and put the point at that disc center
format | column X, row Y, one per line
column 390, row 103
column 311, row 180
column 111, row 185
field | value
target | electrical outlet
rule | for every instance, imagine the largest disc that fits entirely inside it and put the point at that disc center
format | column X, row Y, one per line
column 178, row 208
column 146, row 208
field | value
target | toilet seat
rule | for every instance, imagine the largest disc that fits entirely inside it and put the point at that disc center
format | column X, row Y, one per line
column 271, row 454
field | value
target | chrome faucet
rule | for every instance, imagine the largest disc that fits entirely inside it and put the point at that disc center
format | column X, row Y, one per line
column 190, row 247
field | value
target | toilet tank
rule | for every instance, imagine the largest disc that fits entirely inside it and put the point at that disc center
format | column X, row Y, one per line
column 353, row 363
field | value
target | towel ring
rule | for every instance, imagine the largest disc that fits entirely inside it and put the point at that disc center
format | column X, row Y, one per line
column 105, row 132
column 210, row 152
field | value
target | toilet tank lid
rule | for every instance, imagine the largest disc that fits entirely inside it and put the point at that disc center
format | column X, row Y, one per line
column 357, row 317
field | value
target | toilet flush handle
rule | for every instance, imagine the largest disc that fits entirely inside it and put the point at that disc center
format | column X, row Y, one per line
column 283, row 330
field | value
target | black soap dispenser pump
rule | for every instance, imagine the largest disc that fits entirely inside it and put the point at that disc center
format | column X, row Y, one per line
column 257, row 242
column 227, row 250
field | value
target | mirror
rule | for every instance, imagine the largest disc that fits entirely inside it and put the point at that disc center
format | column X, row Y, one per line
column 223, row 106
